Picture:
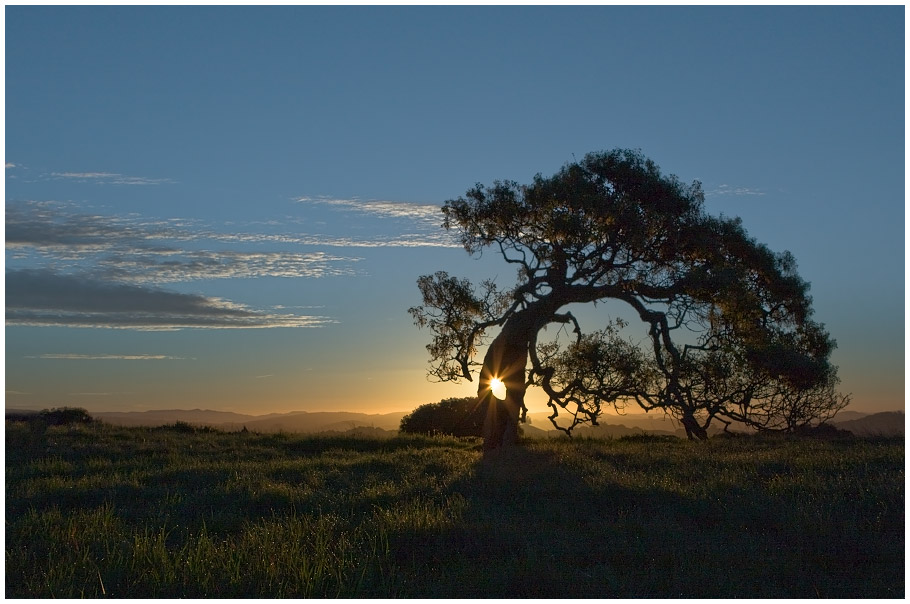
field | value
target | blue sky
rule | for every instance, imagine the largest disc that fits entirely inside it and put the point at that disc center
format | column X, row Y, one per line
column 228, row 207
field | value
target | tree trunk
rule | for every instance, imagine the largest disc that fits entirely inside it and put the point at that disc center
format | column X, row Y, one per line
column 694, row 430
column 506, row 359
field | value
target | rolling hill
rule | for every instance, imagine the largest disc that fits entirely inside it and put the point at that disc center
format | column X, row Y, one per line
column 890, row 423
column 297, row 421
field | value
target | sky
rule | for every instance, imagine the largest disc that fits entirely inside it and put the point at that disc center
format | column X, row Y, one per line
column 229, row 207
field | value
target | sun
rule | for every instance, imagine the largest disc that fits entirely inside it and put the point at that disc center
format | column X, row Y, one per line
column 498, row 388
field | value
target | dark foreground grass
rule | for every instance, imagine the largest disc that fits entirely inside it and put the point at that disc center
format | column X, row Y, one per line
column 100, row 511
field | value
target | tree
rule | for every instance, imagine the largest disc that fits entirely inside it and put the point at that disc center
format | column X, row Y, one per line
column 729, row 328
column 453, row 416
column 61, row 416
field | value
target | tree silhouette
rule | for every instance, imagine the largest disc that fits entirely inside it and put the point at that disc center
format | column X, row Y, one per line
column 61, row 416
column 729, row 327
column 453, row 416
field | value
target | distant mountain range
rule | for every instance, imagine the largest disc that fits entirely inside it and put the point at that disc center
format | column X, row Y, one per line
column 889, row 423
column 611, row 426
column 295, row 421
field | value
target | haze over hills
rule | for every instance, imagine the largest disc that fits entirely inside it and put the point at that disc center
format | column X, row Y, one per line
column 890, row 423
column 295, row 421
column 650, row 422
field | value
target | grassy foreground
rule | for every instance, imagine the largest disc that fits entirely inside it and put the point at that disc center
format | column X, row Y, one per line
column 96, row 510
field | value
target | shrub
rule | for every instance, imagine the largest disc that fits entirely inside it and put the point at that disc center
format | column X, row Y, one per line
column 823, row 431
column 182, row 427
column 21, row 416
column 453, row 416
column 61, row 416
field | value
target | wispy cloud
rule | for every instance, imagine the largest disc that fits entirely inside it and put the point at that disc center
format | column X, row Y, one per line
column 429, row 213
column 729, row 190
column 420, row 225
column 440, row 239
column 69, row 267
column 47, row 299
column 109, row 178
column 10, row 165
column 160, row 267
column 49, row 226
column 140, row 250
column 108, row 357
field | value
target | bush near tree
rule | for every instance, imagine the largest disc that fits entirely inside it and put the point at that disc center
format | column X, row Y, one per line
column 61, row 416
column 452, row 416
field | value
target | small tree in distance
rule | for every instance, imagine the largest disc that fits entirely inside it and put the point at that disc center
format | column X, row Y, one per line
column 452, row 416
column 61, row 416
column 728, row 329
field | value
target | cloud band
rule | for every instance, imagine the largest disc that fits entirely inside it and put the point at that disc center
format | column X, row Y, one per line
column 47, row 299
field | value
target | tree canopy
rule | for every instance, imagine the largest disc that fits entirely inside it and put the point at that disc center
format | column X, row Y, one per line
column 727, row 330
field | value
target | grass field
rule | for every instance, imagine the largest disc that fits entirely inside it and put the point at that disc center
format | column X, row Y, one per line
column 96, row 510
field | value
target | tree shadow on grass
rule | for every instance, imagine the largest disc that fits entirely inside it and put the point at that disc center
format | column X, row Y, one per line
column 534, row 526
